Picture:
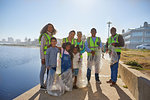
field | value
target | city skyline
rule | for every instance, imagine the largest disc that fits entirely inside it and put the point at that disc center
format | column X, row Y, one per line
column 22, row 18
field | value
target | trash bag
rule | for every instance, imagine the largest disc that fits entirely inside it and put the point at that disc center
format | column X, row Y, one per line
column 81, row 78
column 66, row 78
column 112, row 54
column 95, row 61
column 55, row 85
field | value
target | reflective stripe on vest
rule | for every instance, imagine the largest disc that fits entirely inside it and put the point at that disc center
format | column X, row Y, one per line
column 48, row 41
column 114, row 40
column 93, row 46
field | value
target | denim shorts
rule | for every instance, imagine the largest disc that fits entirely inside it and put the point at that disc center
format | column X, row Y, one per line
column 75, row 71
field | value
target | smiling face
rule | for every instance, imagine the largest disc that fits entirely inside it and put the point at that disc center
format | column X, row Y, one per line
column 113, row 31
column 50, row 28
column 72, row 34
column 68, row 47
column 79, row 35
column 53, row 42
column 75, row 50
column 93, row 32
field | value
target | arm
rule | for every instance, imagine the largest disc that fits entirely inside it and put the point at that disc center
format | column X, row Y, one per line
column 121, row 41
column 82, row 51
column 106, row 46
column 47, row 57
column 86, row 47
column 42, row 56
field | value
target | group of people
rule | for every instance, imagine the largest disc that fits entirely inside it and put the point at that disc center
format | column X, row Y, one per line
column 71, row 54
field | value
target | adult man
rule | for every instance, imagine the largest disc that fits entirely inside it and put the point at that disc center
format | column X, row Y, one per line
column 93, row 45
column 117, row 41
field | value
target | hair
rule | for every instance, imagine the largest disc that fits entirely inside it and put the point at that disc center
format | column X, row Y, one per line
column 71, row 48
column 72, row 31
column 53, row 38
column 79, row 32
column 93, row 29
column 44, row 29
column 113, row 28
column 77, row 47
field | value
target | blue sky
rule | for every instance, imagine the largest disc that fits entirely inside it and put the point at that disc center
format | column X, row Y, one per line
column 25, row 18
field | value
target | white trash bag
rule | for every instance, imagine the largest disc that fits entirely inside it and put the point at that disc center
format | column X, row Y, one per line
column 112, row 54
column 67, row 79
column 96, row 61
column 81, row 78
column 55, row 85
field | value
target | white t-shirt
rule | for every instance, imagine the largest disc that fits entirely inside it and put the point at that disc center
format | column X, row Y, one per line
column 75, row 60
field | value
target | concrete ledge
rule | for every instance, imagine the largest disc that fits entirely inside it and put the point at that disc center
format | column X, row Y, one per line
column 138, row 84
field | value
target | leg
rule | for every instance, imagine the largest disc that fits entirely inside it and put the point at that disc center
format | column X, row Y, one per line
column 97, row 69
column 115, row 70
column 42, row 72
column 89, row 69
column 88, row 74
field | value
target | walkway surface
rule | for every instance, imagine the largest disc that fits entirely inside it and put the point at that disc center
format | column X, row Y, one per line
column 92, row 92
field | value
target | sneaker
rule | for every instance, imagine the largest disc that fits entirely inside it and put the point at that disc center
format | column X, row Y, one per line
column 98, row 81
column 42, row 88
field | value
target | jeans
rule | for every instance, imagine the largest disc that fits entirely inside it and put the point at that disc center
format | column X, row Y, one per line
column 42, row 72
column 89, row 75
column 114, row 70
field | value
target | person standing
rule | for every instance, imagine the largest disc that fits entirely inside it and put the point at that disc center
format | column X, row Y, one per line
column 117, row 41
column 81, row 43
column 92, row 46
column 70, row 38
column 47, row 33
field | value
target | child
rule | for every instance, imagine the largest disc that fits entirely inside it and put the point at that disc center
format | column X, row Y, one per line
column 66, row 66
column 51, row 59
column 76, row 64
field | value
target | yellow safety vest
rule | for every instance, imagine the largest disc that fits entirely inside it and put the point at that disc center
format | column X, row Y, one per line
column 93, row 45
column 114, row 40
column 81, row 46
column 48, row 41
column 65, row 40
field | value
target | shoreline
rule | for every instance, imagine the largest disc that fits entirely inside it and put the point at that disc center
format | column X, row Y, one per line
column 20, row 45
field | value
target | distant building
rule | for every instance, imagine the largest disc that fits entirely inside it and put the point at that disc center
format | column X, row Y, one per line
column 3, row 40
column 18, row 41
column 10, row 40
column 137, row 36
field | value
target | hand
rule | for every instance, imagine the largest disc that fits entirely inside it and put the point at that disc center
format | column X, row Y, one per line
column 113, row 44
column 48, row 67
column 93, row 53
column 43, row 61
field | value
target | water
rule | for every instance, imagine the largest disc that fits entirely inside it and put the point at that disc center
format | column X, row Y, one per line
column 19, row 70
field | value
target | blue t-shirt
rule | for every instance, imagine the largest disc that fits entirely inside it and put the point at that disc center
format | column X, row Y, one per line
column 51, row 56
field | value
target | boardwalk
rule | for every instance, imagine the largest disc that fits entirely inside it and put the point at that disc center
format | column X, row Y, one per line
column 92, row 92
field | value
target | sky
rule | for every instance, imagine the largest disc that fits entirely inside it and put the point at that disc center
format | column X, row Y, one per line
column 25, row 18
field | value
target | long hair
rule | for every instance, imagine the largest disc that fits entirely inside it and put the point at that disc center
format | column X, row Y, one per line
column 45, row 28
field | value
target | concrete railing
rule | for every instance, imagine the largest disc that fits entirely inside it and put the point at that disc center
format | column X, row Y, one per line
column 137, row 83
